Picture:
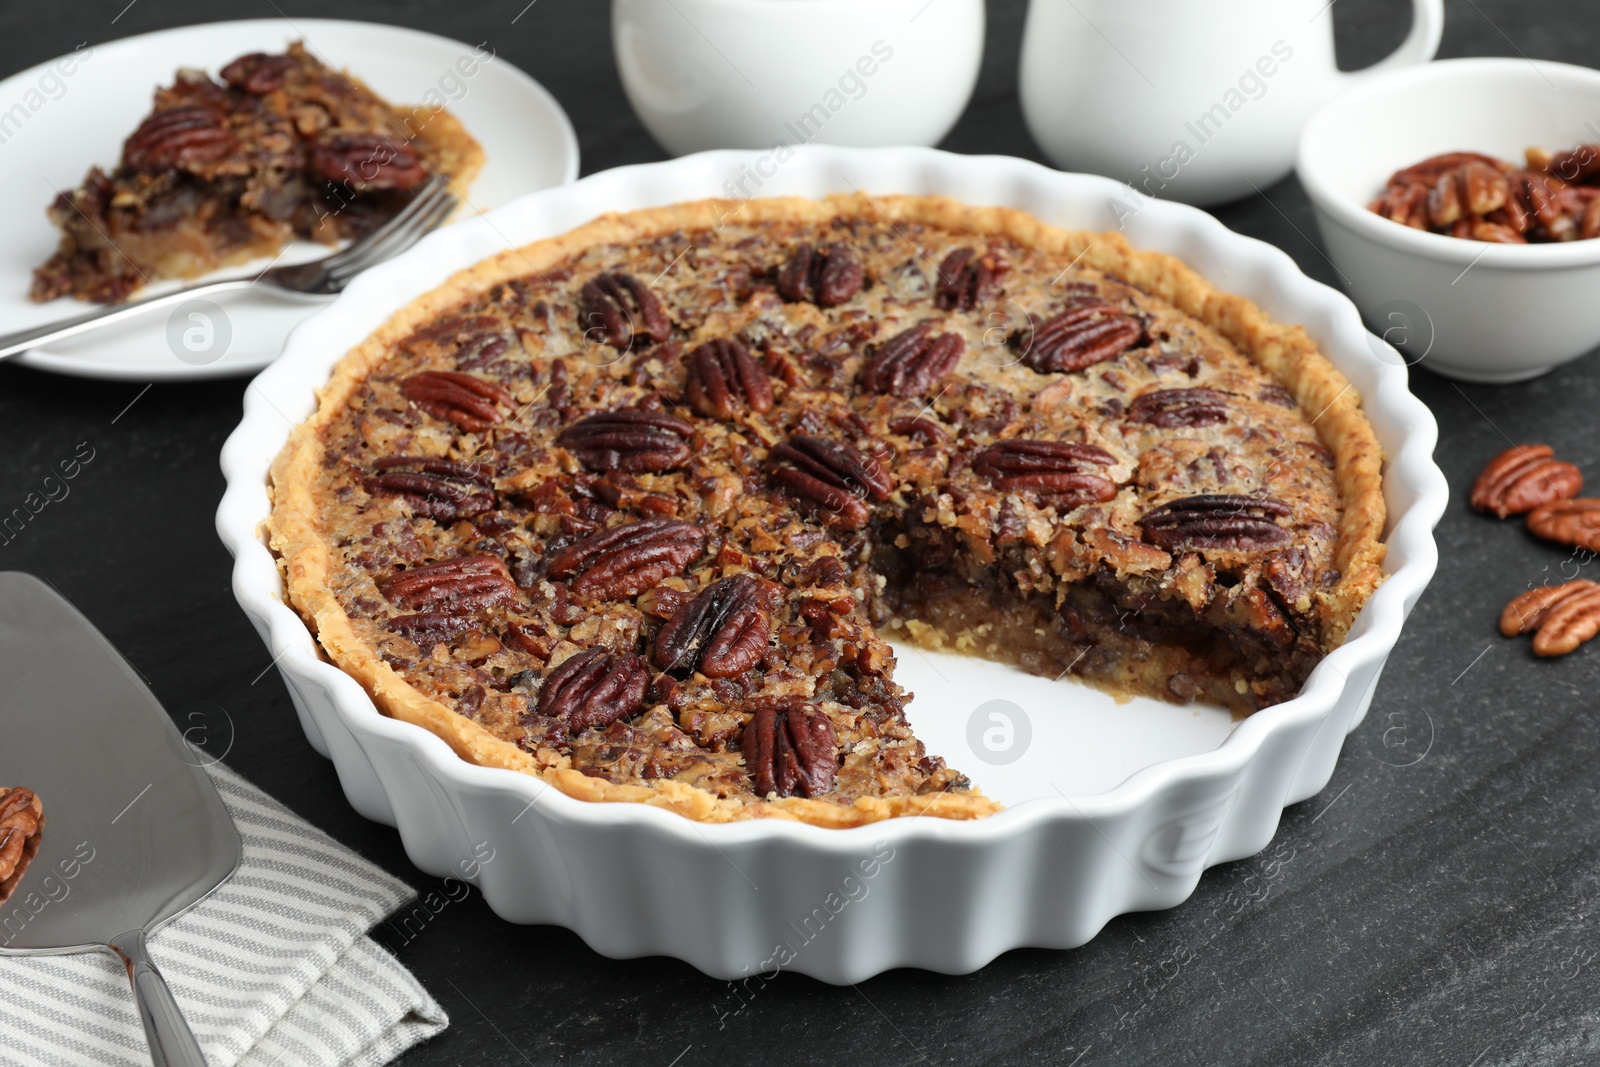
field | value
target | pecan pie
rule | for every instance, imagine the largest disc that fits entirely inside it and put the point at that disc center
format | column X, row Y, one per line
column 221, row 172
column 634, row 508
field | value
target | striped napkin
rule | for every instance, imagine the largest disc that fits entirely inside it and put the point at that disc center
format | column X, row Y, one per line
column 273, row 970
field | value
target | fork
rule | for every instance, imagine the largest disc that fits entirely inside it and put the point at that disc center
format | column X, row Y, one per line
column 325, row 277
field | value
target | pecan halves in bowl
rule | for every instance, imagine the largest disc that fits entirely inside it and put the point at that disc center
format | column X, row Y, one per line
column 435, row 488
column 721, row 377
column 1573, row 522
column 1561, row 617
column 1441, row 190
column 470, row 402
column 595, row 688
column 790, row 750
column 619, row 310
column 1474, row 188
column 1539, row 199
column 1405, row 204
column 826, row 276
column 21, row 821
column 1521, row 479
column 630, row 441
column 1431, row 169
column 831, row 477
column 912, row 361
column 1064, row 469
column 1465, row 194
column 722, row 632
column 1218, row 521
column 1580, row 165
column 624, row 561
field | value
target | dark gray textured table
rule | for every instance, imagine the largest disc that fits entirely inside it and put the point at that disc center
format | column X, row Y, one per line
column 1434, row 905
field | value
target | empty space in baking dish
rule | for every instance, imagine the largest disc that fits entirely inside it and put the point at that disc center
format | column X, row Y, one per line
column 1020, row 736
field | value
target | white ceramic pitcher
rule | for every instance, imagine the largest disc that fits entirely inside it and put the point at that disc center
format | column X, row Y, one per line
column 1194, row 100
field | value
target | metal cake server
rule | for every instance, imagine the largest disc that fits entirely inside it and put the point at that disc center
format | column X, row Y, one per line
column 134, row 832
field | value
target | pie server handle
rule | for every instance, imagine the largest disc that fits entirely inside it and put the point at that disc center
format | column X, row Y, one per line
column 172, row 1043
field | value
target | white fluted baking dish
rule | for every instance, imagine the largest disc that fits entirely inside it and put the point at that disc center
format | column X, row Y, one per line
column 1111, row 808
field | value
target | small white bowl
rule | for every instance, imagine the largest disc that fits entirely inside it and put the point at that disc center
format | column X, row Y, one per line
column 1475, row 311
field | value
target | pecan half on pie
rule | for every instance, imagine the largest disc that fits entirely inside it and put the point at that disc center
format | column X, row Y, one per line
column 633, row 508
column 222, row 172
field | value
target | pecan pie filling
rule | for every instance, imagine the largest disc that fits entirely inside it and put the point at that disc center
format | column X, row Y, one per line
column 646, row 512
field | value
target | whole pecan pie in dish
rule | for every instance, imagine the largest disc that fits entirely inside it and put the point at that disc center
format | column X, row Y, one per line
column 633, row 508
column 224, row 171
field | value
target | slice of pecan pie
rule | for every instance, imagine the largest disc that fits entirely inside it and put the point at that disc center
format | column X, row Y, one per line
column 221, row 172
column 632, row 508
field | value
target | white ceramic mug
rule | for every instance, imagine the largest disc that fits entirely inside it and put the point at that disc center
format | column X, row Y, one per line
column 758, row 73
column 1194, row 100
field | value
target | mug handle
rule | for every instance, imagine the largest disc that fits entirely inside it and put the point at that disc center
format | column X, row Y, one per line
column 1420, row 45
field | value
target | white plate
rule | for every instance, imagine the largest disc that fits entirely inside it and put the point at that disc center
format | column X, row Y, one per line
column 80, row 119
column 1112, row 808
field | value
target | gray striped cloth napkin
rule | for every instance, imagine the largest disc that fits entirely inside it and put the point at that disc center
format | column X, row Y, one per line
column 273, row 970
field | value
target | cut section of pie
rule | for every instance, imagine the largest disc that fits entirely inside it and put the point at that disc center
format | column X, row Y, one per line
column 633, row 508
column 221, row 172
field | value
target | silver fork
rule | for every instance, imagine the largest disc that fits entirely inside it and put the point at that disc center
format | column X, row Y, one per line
column 321, row 278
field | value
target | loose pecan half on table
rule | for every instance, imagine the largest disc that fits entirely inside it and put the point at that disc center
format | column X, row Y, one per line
column 1522, row 478
column 1569, row 522
column 1560, row 617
